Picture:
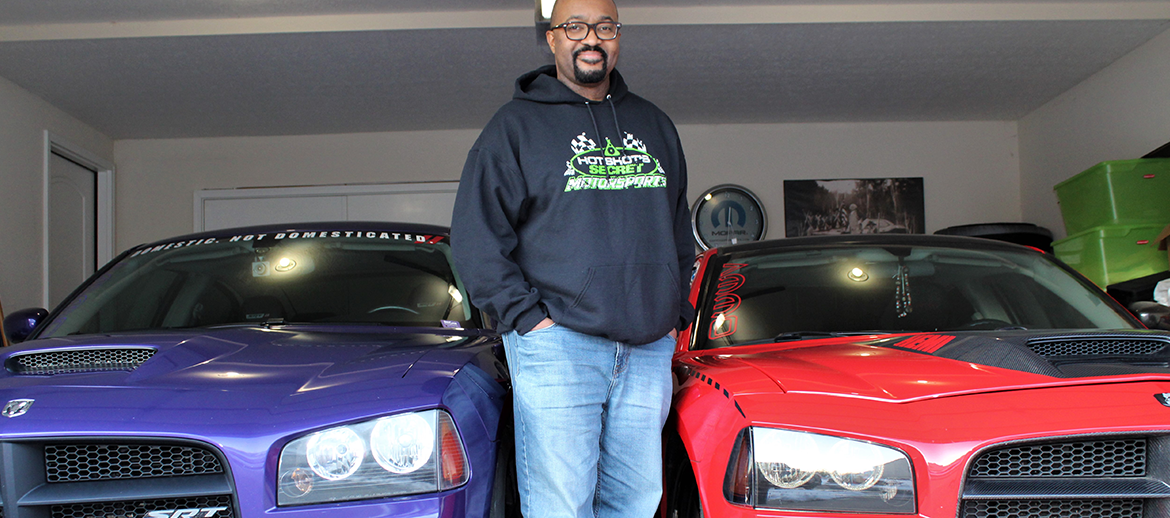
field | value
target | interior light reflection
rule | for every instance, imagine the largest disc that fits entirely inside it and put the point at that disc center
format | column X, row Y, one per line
column 285, row 264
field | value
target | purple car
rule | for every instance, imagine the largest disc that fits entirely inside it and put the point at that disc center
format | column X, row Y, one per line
column 312, row 370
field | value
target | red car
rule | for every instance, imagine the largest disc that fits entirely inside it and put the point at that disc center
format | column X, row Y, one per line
column 929, row 376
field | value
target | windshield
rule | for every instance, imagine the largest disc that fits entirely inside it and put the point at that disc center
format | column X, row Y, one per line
column 311, row 277
column 763, row 296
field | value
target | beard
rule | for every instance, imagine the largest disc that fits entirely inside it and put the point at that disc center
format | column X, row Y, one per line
column 588, row 77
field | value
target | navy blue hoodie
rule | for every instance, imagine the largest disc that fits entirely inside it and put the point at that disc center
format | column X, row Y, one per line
column 576, row 210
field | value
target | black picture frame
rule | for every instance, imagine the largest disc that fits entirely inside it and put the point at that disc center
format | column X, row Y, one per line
column 854, row 206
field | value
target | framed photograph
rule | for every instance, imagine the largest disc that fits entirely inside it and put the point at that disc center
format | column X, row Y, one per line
column 857, row 206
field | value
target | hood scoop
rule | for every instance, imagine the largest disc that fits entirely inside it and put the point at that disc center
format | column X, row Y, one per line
column 1065, row 355
column 1131, row 346
column 71, row 361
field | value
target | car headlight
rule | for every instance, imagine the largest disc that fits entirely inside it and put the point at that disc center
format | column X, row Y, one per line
column 800, row 471
column 411, row 453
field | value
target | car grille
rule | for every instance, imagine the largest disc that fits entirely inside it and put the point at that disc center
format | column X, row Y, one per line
column 1119, row 458
column 79, row 360
column 125, row 479
column 77, row 462
column 1097, row 477
column 135, row 508
column 1054, row 508
column 1097, row 346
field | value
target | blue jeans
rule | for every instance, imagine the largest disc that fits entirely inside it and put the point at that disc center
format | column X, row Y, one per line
column 589, row 414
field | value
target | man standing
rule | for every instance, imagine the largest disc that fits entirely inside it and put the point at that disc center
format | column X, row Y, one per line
column 571, row 229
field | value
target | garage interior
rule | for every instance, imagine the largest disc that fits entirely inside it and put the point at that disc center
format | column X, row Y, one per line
column 991, row 103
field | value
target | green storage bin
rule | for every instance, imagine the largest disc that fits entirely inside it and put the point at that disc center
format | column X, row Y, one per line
column 1113, row 253
column 1120, row 192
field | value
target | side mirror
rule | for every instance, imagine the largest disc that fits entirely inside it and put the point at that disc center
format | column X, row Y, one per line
column 1152, row 314
column 20, row 324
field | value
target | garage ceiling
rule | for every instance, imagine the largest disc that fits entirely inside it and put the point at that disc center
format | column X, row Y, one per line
column 206, row 68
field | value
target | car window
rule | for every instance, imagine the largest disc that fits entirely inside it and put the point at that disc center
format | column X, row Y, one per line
column 760, row 295
column 323, row 280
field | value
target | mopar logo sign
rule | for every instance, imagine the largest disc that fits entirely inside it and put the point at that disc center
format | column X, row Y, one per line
column 1163, row 398
column 17, row 407
column 206, row 512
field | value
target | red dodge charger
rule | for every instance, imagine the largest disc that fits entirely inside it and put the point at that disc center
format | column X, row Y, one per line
column 929, row 376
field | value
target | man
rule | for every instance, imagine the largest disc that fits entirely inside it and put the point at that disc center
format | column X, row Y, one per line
column 854, row 220
column 571, row 229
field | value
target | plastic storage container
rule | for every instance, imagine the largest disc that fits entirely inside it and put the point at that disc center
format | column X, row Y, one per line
column 1121, row 192
column 1113, row 253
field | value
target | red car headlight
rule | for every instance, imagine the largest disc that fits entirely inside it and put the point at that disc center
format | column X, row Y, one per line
column 789, row 470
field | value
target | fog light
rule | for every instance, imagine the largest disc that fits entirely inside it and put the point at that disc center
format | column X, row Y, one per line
column 297, row 483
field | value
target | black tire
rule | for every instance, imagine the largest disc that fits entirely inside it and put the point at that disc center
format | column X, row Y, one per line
column 505, row 492
column 1026, row 234
column 682, row 491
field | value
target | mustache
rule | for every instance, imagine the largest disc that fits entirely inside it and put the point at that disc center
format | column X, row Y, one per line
column 594, row 48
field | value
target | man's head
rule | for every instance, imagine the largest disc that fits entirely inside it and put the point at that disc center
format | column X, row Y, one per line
column 587, row 63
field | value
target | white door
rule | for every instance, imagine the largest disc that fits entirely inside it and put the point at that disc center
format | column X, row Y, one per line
column 72, row 226
column 428, row 202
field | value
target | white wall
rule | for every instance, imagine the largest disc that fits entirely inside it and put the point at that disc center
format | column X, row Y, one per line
column 970, row 168
column 1122, row 112
column 24, row 118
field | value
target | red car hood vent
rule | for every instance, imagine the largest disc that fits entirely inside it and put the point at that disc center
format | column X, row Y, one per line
column 1063, row 355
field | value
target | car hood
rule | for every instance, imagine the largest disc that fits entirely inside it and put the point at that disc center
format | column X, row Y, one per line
column 253, row 379
column 920, row 366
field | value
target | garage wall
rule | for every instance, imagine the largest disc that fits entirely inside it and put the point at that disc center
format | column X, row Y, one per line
column 1122, row 112
column 970, row 168
column 24, row 118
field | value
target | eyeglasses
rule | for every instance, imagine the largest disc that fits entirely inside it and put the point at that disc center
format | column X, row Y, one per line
column 578, row 31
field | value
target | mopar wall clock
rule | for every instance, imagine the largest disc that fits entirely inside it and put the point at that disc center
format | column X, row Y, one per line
column 727, row 215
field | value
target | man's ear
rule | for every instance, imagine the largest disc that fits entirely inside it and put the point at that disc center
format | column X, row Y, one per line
column 550, row 36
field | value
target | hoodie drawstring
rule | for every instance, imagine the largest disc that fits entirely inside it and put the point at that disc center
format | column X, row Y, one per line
column 621, row 135
column 597, row 129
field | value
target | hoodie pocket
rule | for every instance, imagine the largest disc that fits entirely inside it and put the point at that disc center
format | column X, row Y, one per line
column 628, row 299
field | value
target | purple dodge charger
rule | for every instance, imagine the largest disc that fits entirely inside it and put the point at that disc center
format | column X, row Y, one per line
column 312, row 370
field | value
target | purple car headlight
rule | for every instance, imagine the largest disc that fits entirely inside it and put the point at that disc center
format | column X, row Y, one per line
column 403, row 454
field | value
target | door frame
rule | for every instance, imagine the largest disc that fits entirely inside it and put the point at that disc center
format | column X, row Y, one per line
column 104, row 198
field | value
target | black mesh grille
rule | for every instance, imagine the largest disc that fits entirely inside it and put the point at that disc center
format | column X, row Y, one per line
column 139, row 508
column 1097, row 347
column 1106, row 458
column 84, row 360
column 1052, row 508
column 80, row 462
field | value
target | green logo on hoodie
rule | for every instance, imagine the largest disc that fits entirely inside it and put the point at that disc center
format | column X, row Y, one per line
column 610, row 149
column 612, row 168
